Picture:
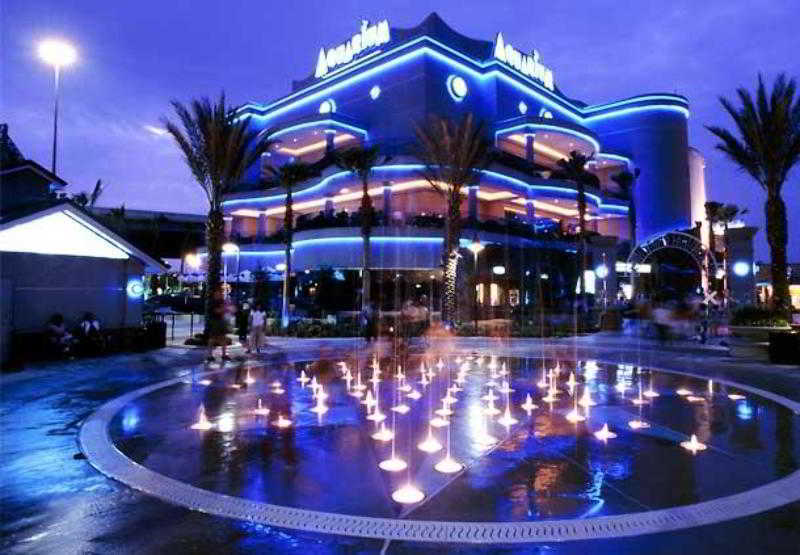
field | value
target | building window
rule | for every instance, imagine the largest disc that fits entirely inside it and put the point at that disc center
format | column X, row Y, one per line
column 457, row 87
column 479, row 293
column 494, row 294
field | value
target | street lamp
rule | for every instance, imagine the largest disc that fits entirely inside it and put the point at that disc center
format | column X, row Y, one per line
column 57, row 54
column 476, row 247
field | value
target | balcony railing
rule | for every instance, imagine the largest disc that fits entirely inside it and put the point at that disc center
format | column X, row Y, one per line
column 541, row 229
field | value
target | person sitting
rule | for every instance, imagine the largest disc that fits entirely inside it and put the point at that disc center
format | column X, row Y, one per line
column 90, row 339
column 58, row 338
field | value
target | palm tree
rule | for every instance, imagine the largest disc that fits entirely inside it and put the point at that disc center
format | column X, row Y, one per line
column 289, row 175
column 574, row 169
column 452, row 155
column 84, row 199
column 767, row 148
column 626, row 181
column 217, row 147
column 360, row 161
column 713, row 210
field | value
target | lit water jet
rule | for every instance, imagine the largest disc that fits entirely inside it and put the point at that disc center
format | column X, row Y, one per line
column 408, row 494
column 490, row 396
column 528, row 406
column 383, row 433
column 320, row 408
column 393, row 464
column 303, row 379
column 282, row 422
column 507, row 420
column 621, row 387
column 414, row 394
column 505, row 387
column 604, row 434
column 248, row 379
column 683, row 392
column 430, row 444
column 448, row 465
column 260, row 410
column 695, row 399
column 586, row 399
column 638, row 424
column 693, row 445
column 226, row 422
column 203, row 423
column 369, row 400
column 402, row 408
column 736, row 396
column 439, row 422
column 575, row 416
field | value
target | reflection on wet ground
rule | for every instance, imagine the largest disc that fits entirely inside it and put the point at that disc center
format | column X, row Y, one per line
column 542, row 467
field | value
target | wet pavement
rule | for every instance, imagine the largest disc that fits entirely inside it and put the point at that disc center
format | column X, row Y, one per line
column 53, row 501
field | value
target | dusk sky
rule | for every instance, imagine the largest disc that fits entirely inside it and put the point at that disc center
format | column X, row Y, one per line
column 136, row 56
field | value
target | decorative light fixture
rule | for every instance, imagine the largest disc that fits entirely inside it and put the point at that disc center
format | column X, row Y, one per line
column 523, row 108
column 457, row 87
column 374, row 92
column 741, row 268
column 601, row 271
column 499, row 270
column 327, row 106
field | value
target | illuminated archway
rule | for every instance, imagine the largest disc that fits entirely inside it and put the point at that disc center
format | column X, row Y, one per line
column 681, row 241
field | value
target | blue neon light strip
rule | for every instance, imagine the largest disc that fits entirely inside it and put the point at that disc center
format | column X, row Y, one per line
column 411, row 167
column 565, row 130
column 562, row 105
column 317, row 123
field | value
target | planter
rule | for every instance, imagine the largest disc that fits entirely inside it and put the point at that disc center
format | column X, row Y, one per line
column 752, row 341
column 784, row 347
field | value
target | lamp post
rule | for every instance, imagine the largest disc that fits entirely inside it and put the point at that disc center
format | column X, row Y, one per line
column 430, row 300
column 57, row 54
column 476, row 248
column 229, row 248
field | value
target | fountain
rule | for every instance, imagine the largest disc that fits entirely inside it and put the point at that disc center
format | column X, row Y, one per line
column 430, row 444
column 693, row 445
column 203, row 423
column 445, row 410
column 369, row 400
column 528, row 406
column 448, row 465
column 491, row 410
column 282, row 422
column 414, row 395
column 505, row 388
column 260, row 410
column 408, row 494
column 604, row 434
column 248, row 379
column 320, row 408
column 586, row 399
column 303, row 379
column 383, row 433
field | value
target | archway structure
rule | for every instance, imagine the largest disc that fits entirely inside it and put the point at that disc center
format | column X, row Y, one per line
column 681, row 241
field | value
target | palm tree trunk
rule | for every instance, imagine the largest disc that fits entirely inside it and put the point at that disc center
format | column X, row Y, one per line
column 288, row 223
column 366, row 232
column 286, row 277
column 582, row 237
column 450, row 255
column 777, row 238
column 215, row 230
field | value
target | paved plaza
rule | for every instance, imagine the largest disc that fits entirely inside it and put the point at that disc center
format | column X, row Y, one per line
column 55, row 502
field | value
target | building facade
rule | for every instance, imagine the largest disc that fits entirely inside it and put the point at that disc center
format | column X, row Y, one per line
column 376, row 86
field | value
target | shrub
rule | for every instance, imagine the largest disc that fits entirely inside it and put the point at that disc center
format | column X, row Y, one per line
column 751, row 315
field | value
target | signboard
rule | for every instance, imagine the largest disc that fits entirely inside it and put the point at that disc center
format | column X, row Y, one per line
column 528, row 65
column 369, row 37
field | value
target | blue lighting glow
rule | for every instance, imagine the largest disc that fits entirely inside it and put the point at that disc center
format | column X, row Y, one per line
column 564, row 191
column 744, row 411
column 500, row 71
column 457, row 87
column 318, row 123
column 327, row 106
column 375, row 92
column 741, row 268
column 135, row 288
column 557, row 128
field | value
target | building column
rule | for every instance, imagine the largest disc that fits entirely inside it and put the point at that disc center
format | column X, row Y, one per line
column 387, row 203
column 236, row 225
column 330, row 134
column 529, row 151
column 329, row 207
column 228, row 220
column 530, row 209
column 472, row 203
column 261, row 230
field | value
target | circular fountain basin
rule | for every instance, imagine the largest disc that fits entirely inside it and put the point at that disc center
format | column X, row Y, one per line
column 545, row 478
